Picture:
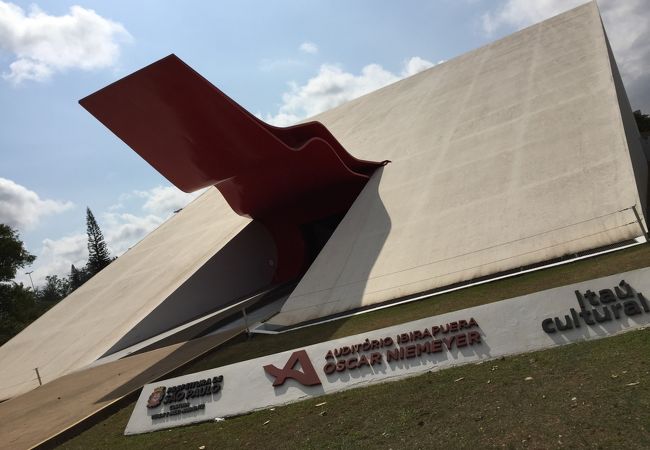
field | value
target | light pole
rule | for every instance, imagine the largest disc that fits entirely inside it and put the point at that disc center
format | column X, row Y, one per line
column 30, row 279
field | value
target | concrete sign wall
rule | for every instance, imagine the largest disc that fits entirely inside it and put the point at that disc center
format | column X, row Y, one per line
column 587, row 310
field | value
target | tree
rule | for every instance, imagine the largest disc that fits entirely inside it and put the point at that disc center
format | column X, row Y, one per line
column 13, row 255
column 54, row 290
column 17, row 309
column 77, row 277
column 17, row 306
column 98, row 256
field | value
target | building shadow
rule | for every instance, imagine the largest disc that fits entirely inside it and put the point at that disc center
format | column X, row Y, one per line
column 241, row 267
column 337, row 279
column 158, row 363
column 369, row 209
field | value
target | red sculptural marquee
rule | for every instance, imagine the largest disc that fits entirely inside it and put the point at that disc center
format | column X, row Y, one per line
column 196, row 136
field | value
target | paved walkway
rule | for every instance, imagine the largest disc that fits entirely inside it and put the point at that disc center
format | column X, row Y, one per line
column 31, row 418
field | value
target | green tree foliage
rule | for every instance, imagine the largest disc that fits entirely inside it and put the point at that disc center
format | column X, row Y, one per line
column 77, row 277
column 18, row 308
column 55, row 289
column 13, row 255
column 642, row 121
column 98, row 256
column 17, row 303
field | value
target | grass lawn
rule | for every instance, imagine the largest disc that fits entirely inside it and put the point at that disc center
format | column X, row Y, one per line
column 591, row 394
column 260, row 345
column 491, row 406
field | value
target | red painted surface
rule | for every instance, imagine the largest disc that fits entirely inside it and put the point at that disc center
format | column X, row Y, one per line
column 196, row 136
column 307, row 376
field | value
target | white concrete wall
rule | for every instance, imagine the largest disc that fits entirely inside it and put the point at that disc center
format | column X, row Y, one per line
column 241, row 267
column 508, row 155
column 86, row 324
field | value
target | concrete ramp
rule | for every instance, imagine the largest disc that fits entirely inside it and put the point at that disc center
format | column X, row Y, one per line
column 37, row 416
column 204, row 256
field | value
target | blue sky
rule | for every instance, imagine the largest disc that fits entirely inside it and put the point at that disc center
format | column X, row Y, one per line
column 282, row 60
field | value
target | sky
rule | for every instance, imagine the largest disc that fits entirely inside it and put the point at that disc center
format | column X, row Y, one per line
column 282, row 60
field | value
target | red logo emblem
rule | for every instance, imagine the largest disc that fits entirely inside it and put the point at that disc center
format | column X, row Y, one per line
column 307, row 377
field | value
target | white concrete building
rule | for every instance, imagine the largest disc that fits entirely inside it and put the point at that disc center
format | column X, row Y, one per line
column 519, row 152
column 514, row 154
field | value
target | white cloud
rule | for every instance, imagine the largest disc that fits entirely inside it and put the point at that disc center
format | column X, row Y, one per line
column 125, row 230
column 122, row 230
column 164, row 200
column 627, row 27
column 309, row 47
column 73, row 248
column 23, row 209
column 333, row 86
column 55, row 258
column 521, row 13
column 58, row 255
column 415, row 65
column 44, row 44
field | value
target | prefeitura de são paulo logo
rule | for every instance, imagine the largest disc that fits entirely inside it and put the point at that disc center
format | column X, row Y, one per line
column 156, row 397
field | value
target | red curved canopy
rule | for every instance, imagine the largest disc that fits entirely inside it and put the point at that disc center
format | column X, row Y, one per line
column 196, row 136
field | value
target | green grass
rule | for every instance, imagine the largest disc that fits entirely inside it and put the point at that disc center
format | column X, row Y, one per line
column 261, row 345
column 492, row 406
column 432, row 410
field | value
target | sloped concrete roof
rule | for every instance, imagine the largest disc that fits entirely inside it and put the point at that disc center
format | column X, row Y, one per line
column 512, row 154
column 81, row 328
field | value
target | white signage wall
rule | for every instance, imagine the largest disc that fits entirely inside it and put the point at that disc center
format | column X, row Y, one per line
column 587, row 310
